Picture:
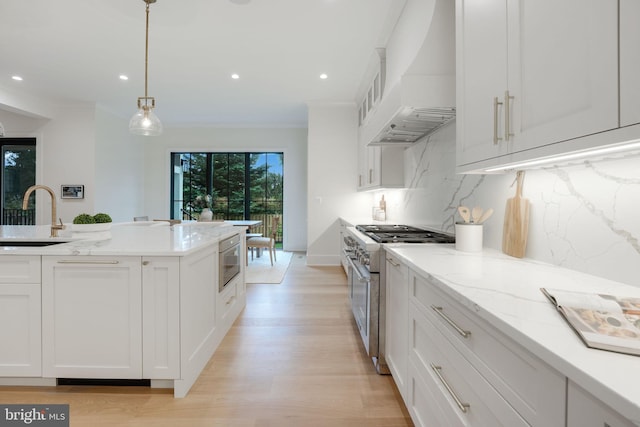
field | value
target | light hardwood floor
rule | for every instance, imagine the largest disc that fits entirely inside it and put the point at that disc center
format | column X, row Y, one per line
column 292, row 358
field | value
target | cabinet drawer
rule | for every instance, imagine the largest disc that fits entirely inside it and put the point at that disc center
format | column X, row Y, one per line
column 533, row 388
column 20, row 269
column 445, row 369
column 226, row 302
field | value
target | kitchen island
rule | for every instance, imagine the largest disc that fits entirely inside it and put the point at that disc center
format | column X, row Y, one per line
column 140, row 301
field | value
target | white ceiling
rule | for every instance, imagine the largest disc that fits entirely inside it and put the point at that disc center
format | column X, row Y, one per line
column 75, row 50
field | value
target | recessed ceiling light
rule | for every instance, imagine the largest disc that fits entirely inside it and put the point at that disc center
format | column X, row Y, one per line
column 235, row 76
column 123, row 77
column 323, row 76
column 18, row 78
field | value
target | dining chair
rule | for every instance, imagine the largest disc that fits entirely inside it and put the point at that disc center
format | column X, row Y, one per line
column 268, row 243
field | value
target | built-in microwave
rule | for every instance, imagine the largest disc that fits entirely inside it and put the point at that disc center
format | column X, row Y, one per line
column 229, row 260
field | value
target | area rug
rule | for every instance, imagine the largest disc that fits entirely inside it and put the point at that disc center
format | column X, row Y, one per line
column 260, row 269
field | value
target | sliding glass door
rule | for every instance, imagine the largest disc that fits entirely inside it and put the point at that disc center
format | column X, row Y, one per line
column 241, row 185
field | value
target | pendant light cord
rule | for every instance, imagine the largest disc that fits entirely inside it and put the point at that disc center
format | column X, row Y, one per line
column 146, row 53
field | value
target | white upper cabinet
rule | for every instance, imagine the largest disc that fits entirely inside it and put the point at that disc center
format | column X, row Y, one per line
column 531, row 74
column 481, row 50
column 380, row 167
column 629, row 62
column 567, row 64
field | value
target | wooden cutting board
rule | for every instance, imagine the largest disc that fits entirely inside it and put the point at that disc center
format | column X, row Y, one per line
column 516, row 222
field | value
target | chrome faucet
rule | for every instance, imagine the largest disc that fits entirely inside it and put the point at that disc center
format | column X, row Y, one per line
column 25, row 201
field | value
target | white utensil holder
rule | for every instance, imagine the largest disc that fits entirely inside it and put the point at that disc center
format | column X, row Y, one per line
column 468, row 237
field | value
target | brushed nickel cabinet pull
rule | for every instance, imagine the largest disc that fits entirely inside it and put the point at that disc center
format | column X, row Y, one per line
column 464, row 407
column 71, row 261
column 370, row 176
column 495, row 121
column 507, row 116
column 465, row 334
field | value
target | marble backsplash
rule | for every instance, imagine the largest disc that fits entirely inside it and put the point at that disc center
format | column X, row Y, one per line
column 585, row 217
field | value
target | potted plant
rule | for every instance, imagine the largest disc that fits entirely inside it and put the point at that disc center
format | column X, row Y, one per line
column 91, row 223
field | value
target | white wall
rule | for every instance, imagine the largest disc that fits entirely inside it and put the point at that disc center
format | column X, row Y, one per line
column 119, row 169
column 64, row 153
column 332, row 173
column 67, row 148
column 292, row 142
column 78, row 144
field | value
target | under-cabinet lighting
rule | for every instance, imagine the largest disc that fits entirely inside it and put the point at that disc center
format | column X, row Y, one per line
column 323, row 76
column 17, row 78
column 235, row 76
column 562, row 158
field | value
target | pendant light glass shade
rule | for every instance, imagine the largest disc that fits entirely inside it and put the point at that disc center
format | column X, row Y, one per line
column 144, row 121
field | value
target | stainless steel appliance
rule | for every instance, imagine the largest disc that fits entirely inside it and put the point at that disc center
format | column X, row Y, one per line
column 366, row 278
column 229, row 260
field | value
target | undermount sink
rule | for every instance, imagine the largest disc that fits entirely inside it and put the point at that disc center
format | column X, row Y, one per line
column 31, row 243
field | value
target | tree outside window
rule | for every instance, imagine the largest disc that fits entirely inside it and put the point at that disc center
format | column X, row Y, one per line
column 243, row 185
column 18, row 174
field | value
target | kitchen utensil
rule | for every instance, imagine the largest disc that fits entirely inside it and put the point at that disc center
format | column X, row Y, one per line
column 516, row 222
column 476, row 213
column 464, row 213
column 485, row 215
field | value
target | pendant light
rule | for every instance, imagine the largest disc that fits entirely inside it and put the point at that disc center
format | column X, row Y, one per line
column 145, row 122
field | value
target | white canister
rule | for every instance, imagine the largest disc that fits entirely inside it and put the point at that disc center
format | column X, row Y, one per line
column 468, row 237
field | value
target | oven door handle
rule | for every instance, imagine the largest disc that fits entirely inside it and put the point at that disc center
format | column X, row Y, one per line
column 355, row 268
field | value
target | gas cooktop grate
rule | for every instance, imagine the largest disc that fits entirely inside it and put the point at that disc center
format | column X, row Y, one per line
column 403, row 234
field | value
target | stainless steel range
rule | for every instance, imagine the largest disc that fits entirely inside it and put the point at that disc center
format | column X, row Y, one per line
column 366, row 278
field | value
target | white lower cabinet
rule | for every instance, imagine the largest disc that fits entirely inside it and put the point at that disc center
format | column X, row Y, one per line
column 464, row 397
column 584, row 410
column 464, row 372
column 20, row 318
column 454, row 366
column 92, row 317
column 157, row 318
column 160, row 317
column 396, row 321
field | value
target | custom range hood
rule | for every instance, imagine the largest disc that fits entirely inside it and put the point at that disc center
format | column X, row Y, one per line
column 423, row 100
column 413, row 120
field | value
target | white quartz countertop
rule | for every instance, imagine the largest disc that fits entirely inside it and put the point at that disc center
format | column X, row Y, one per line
column 153, row 238
column 505, row 291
